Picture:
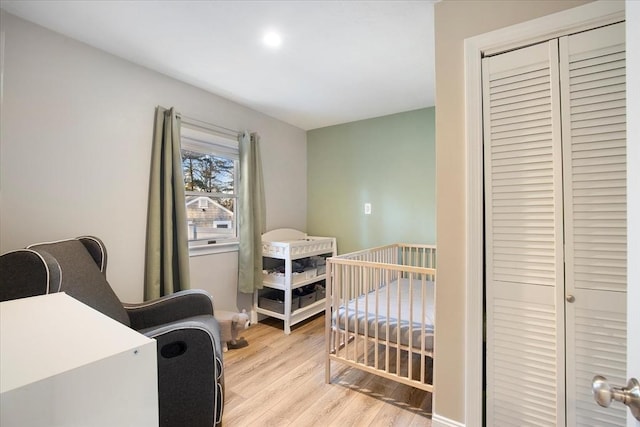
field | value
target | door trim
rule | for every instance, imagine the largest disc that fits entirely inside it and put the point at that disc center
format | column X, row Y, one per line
column 574, row 20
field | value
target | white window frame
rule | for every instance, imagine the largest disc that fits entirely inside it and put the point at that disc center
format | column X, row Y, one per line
column 202, row 140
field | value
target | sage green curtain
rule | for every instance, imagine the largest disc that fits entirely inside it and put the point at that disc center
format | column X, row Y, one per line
column 167, row 251
column 251, row 218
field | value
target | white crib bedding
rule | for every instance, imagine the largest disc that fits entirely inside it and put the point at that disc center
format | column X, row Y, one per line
column 365, row 314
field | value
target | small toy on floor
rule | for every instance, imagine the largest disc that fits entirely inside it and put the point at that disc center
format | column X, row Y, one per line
column 231, row 323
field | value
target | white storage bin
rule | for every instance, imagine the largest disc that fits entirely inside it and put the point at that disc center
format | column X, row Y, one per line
column 279, row 278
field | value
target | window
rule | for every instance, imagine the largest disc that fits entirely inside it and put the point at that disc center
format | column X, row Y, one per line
column 210, row 164
column 203, row 202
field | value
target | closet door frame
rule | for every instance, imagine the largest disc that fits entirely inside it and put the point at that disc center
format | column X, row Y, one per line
column 581, row 18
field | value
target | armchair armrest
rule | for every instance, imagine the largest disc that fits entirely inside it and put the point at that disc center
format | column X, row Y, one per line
column 171, row 308
column 190, row 369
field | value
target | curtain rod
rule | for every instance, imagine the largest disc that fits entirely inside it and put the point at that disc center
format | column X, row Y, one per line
column 208, row 126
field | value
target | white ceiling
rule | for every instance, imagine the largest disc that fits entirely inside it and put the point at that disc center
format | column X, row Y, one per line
column 339, row 61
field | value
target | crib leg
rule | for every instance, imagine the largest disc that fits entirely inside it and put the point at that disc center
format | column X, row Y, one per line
column 330, row 338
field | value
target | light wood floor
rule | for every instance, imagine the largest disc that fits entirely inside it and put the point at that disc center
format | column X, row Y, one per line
column 278, row 380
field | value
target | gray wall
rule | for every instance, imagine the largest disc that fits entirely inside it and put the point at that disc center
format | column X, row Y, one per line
column 386, row 161
column 76, row 136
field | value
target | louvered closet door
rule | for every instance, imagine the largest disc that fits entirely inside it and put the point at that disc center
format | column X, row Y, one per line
column 555, row 222
column 594, row 150
column 523, row 244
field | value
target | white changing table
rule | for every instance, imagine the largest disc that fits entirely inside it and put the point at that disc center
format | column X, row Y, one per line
column 288, row 245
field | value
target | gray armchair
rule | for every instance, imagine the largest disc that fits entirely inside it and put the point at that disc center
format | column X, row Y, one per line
column 190, row 367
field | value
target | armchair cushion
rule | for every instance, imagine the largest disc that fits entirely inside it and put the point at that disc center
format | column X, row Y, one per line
column 82, row 280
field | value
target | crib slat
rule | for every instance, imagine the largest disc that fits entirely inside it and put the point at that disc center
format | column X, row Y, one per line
column 410, row 351
column 398, row 328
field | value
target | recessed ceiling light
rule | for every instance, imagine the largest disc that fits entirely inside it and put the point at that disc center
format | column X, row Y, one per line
column 272, row 39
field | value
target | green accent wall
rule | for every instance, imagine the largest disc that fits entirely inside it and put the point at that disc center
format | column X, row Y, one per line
column 386, row 161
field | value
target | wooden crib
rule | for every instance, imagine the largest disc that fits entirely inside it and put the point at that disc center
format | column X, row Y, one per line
column 380, row 312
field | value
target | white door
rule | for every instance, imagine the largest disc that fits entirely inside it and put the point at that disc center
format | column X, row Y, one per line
column 633, row 200
column 562, row 99
column 523, row 228
column 595, row 207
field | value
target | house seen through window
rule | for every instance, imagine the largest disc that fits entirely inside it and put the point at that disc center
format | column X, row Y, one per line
column 210, row 165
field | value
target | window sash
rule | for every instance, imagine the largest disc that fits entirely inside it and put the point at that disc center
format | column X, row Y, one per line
column 208, row 143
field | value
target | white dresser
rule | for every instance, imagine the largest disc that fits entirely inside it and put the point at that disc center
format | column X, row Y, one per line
column 63, row 363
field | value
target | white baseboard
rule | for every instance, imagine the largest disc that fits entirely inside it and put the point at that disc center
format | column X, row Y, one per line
column 439, row 421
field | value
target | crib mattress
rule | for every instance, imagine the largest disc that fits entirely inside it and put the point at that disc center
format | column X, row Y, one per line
column 362, row 311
